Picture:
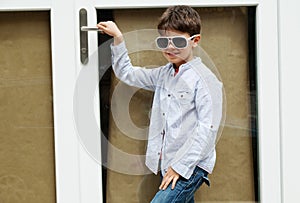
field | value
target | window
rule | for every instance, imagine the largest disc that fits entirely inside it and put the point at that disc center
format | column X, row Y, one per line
column 228, row 39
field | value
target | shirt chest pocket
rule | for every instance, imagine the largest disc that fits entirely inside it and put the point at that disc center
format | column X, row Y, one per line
column 185, row 97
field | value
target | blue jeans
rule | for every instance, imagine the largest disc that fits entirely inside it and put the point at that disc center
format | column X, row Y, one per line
column 184, row 190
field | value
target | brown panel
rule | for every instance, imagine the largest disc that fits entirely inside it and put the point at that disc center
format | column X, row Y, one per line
column 224, row 38
column 26, row 116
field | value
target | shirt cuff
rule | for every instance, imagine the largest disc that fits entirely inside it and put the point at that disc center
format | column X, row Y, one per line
column 183, row 170
column 118, row 49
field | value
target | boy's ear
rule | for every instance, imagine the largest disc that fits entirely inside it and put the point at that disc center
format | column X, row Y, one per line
column 196, row 40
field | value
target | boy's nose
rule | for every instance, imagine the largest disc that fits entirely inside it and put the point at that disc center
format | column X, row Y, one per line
column 170, row 45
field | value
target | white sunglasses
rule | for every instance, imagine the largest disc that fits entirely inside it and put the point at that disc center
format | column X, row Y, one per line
column 179, row 42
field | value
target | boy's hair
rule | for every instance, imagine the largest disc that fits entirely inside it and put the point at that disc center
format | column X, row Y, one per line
column 181, row 18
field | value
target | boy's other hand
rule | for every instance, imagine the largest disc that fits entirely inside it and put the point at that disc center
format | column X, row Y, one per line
column 110, row 28
column 170, row 176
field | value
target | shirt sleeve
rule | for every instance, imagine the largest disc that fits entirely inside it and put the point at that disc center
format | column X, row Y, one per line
column 201, row 140
column 132, row 75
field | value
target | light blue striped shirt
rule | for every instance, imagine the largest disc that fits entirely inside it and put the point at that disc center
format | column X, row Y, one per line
column 185, row 116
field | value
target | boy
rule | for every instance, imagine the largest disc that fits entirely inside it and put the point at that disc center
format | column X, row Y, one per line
column 187, row 104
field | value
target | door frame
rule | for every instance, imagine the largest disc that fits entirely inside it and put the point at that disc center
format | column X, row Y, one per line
column 78, row 176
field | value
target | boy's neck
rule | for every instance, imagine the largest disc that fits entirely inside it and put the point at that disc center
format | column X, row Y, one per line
column 177, row 66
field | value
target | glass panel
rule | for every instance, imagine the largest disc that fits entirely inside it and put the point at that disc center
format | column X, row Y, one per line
column 228, row 38
column 26, row 116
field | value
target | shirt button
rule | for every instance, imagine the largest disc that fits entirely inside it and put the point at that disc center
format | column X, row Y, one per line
column 163, row 114
column 169, row 95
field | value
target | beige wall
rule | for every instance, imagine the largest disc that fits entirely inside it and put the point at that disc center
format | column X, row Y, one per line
column 224, row 38
column 26, row 120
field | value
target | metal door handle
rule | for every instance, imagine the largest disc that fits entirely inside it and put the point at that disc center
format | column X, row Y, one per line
column 88, row 28
column 84, row 48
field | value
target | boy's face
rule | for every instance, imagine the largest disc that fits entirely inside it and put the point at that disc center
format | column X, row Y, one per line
column 179, row 56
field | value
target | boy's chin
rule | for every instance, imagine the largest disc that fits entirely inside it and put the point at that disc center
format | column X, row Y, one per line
column 175, row 60
column 172, row 58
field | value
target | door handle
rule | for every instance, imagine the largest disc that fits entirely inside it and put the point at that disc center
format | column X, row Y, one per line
column 87, row 28
column 84, row 45
column 84, row 49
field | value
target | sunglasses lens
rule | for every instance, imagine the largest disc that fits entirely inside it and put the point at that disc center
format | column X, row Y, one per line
column 179, row 42
column 162, row 42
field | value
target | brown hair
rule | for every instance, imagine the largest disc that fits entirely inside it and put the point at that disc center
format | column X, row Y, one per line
column 181, row 18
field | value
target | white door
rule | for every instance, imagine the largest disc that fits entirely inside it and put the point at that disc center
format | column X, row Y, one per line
column 76, row 119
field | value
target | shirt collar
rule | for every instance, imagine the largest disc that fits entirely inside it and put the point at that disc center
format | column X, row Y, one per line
column 192, row 63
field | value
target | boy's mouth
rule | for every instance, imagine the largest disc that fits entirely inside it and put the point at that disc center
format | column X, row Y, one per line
column 171, row 54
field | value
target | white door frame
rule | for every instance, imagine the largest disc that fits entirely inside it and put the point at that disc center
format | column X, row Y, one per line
column 78, row 175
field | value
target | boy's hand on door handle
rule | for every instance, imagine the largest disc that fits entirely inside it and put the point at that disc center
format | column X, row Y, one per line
column 110, row 28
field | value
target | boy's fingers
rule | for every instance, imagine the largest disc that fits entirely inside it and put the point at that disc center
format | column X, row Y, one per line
column 101, row 27
column 174, row 182
column 167, row 183
column 161, row 185
column 164, row 184
column 101, row 24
